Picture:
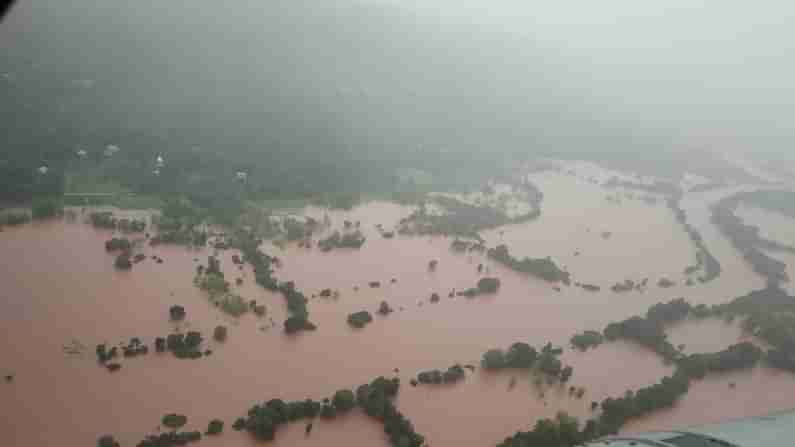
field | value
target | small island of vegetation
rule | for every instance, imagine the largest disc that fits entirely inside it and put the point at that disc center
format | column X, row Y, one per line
column 543, row 268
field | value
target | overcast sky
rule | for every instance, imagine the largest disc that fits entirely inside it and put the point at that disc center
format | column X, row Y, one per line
column 705, row 66
column 718, row 71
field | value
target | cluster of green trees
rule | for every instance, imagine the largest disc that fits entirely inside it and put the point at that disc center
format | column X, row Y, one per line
column 105, row 354
column 488, row 285
column 46, row 207
column 262, row 420
column 453, row 374
column 770, row 315
column 106, row 220
column 123, row 261
column 384, row 308
column 647, row 332
column 738, row 356
column 461, row 245
column 183, row 346
column 587, row 339
column 767, row 313
column 14, row 218
column 543, row 268
column 132, row 225
column 107, row 441
column 360, row 319
column 211, row 279
column 103, row 219
column 117, row 243
column 178, row 223
column 617, row 411
column 626, row 286
column 214, row 283
column 296, row 230
column 650, row 331
column 704, row 258
column 484, row 286
column 174, row 421
column 374, row 398
column 171, row 438
column 353, row 239
column 377, row 401
column 523, row 356
column 459, row 219
column 220, row 333
column 134, row 348
column 518, row 355
column 215, row 427
column 296, row 301
column 565, row 432
column 176, row 313
column 180, row 237
column 670, row 312
column 562, row 431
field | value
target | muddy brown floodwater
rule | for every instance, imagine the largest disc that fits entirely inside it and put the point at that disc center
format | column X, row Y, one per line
column 60, row 288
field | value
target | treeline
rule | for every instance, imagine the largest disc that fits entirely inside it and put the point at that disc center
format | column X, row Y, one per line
column 261, row 263
column 746, row 239
column 543, row 268
column 673, row 197
column 173, row 437
column 649, row 331
column 704, row 258
column 768, row 314
column 179, row 223
column 183, row 346
column 106, row 220
column 453, row 374
column 458, row 218
column 523, row 356
column 41, row 208
column 212, row 280
column 565, row 431
column 354, row 239
column 484, row 286
column 375, row 399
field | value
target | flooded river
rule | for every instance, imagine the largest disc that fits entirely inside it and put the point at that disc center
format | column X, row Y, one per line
column 60, row 289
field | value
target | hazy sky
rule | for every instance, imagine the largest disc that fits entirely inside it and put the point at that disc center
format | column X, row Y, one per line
column 708, row 72
column 704, row 66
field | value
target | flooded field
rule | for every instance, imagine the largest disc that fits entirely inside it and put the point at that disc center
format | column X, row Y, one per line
column 62, row 296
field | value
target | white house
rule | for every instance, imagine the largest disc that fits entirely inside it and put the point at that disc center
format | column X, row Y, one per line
column 43, row 170
column 242, row 176
column 82, row 153
column 111, row 149
column 159, row 162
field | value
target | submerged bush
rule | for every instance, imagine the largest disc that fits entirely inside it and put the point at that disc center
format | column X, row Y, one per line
column 174, row 421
